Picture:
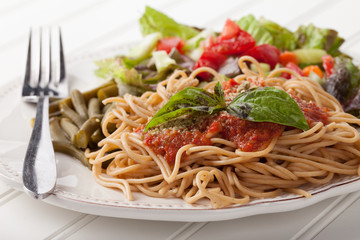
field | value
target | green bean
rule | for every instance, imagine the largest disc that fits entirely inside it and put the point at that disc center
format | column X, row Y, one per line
column 82, row 138
column 97, row 136
column 94, row 107
column 69, row 149
column 93, row 92
column 56, row 132
column 69, row 127
column 78, row 102
column 55, row 114
column 111, row 127
column 107, row 107
column 55, row 105
column 72, row 115
column 106, row 92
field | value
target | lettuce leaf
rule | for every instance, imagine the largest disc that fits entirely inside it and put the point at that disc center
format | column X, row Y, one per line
column 113, row 68
column 265, row 31
column 321, row 38
column 343, row 83
column 155, row 21
column 283, row 38
column 257, row 31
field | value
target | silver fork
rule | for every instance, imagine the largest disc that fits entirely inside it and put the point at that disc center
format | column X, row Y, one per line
column 44, row 78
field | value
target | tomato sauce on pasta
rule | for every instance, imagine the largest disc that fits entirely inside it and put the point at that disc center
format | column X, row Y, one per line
column 220, row 161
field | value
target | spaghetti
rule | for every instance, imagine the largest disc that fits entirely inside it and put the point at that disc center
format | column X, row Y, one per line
column 220, row 171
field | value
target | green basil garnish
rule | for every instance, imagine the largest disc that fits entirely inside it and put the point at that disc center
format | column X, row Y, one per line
column 219, row 94
column 266, row 104
column 188, row 101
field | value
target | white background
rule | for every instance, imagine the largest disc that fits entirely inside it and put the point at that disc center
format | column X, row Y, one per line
column 89, row 25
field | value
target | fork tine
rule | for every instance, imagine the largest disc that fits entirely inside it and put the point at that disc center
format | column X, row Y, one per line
column 26, row 87
column 62, row 58
column 49, row 84
column 62, row 88
column 49, row 76
column 39, row 78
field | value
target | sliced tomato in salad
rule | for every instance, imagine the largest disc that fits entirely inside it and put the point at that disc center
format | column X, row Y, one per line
column 168, row 43
column 265, row 53
column 230, row 30
column 293, row 67
column 209, row 59
column 328, row 64
column 232, row 40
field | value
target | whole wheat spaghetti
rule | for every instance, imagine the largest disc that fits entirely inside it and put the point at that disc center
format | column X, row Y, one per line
column 220, row 171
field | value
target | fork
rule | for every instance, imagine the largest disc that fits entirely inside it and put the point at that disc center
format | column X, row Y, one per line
column 44, row 78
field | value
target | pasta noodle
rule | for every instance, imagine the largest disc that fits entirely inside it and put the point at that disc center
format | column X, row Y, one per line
column 220, row 172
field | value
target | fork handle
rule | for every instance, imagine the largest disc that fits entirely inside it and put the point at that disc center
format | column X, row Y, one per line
column 39, row 170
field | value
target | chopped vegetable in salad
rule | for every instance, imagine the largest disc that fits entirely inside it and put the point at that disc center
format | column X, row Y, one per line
column 168, row 45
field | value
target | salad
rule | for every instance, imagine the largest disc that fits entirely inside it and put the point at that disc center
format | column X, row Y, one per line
column 168, row 45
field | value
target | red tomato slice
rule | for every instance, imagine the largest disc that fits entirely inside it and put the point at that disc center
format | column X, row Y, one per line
column 265, row 53
column 230, row 30
column 168, row 43
column 229, row 84
column 328, row 64
column 293, row 67
column 232, row 41
column 209, row 59
column 234, row 46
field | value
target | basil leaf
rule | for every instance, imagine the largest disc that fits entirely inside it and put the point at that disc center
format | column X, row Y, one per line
column 157, row 120
column 188, row 101
column 261, row 105
column 219, row 95
column 268, row 105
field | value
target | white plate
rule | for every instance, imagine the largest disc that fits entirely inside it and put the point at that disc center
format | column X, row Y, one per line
column 77, row 190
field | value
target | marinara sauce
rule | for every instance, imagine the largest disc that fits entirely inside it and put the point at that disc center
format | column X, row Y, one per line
column 312, row 112
column 248, row 136
column 167, row 142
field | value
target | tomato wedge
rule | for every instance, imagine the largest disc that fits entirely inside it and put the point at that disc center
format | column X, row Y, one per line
column 209, row 59
column 230, row 30
column 265, row 53
column 232, row 40
column 168, row 43
column 293, row 67
column 328, row 64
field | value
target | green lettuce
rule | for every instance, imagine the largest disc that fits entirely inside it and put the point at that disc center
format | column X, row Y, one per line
column 113, row 68
column 319, row 38
column 155, row 21
column 254, row 27
column 265, row 31
column 283, row 38
column 343, row 83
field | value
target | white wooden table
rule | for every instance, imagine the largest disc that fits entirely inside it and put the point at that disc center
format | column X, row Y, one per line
column 89, row 25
